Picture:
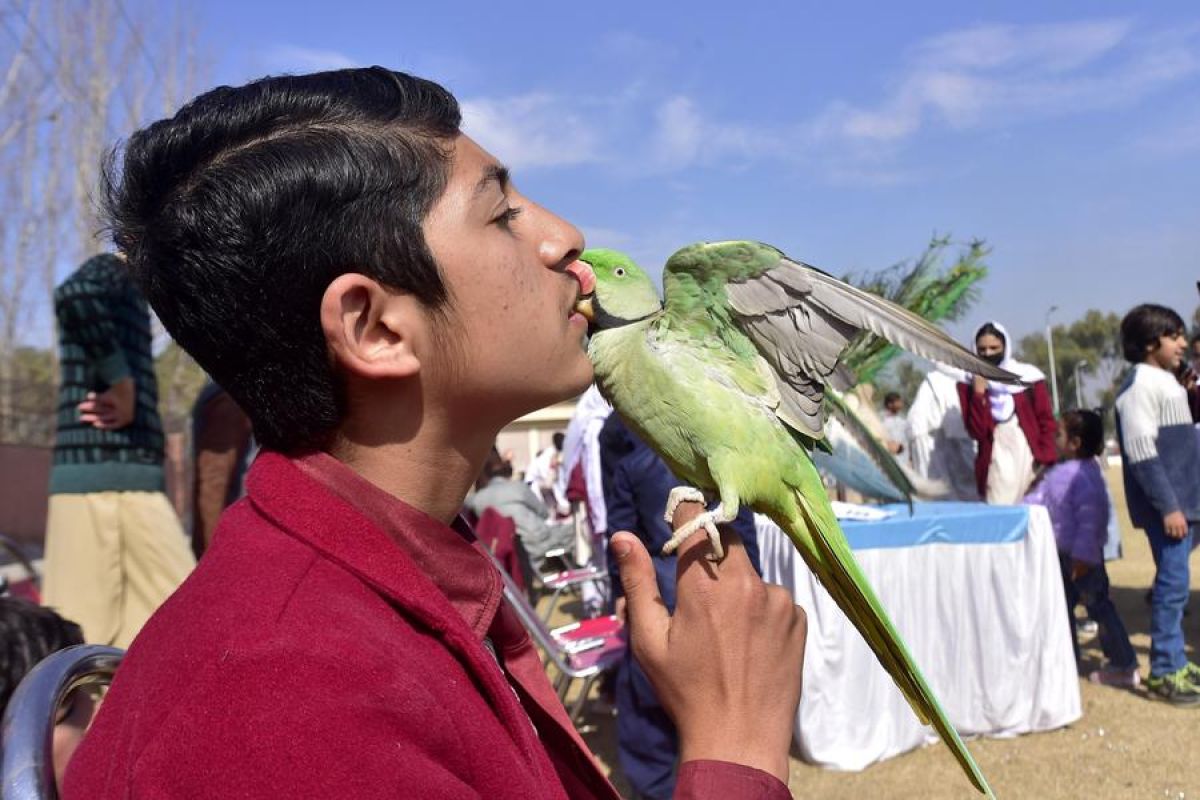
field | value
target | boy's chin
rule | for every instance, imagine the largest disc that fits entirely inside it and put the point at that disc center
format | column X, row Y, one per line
column 582, row 381
column 576, row 378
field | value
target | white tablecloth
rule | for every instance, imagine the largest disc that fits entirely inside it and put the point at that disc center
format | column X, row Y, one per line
column 985, row 622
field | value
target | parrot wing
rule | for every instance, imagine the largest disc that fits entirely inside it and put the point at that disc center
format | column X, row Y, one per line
column 800, row 319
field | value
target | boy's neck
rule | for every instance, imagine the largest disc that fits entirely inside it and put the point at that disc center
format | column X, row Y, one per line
column 432, row 477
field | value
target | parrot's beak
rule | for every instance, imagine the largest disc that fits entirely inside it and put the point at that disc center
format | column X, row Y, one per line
column 585, row 307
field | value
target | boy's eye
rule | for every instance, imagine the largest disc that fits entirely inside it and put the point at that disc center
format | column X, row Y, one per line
column 507, row 216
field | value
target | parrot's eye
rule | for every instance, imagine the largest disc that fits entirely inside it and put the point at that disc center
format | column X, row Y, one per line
column 619, row 272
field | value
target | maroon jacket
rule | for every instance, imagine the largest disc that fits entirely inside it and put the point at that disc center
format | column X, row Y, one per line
column 1034, row 415
column 310, row 656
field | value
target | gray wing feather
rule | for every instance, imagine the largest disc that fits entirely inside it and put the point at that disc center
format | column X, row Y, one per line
column 802, row 320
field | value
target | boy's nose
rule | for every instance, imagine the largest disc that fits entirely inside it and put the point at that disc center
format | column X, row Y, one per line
column 561, row 241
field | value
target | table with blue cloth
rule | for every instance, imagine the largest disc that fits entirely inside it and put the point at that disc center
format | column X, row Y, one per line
column 976, row 592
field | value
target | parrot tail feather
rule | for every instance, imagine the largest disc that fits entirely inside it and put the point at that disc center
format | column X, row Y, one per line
column 831, row 559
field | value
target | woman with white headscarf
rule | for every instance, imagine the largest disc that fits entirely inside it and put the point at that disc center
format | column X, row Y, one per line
column 1014, row 425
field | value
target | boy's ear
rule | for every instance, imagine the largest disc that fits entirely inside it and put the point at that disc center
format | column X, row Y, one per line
column 371, row 330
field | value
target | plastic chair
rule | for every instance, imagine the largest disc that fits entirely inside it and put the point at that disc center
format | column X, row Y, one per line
column 499, row 533
column 583, row 650
column 26, row 762
column 571, row 578
column 558, row 583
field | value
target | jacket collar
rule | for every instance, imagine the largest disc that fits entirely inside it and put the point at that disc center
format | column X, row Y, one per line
column 408, row 556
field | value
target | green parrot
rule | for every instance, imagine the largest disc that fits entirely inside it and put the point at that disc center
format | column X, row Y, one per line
column 726, row 382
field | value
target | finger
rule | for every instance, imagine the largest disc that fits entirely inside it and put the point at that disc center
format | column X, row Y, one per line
column 697, row 546
column 644, row 607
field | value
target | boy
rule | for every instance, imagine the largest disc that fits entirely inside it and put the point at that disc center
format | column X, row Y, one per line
column 114, row 547
column 1162, row 485
column 373, row 291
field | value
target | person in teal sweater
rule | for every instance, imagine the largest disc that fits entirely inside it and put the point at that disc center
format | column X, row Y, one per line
column 114, row 546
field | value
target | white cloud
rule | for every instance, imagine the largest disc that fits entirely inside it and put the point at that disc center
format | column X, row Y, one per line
column 683, row 135
column 533, row 130
column 1054, row 47
column 996, row 74
column 678, row 132
column 293, row 58
column 1175, row 139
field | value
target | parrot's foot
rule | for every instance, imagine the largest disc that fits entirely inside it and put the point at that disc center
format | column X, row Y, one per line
column 682, row 494
column 708, row 521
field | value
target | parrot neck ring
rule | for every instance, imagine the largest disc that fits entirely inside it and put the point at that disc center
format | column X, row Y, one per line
column 598, row 319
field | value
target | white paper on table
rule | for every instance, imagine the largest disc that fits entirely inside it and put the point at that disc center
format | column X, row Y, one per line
column 860, row 512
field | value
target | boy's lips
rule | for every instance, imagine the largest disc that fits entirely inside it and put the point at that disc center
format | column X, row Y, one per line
column 583, row 273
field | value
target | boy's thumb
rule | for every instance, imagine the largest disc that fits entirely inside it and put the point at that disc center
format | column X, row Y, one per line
column 644, row 607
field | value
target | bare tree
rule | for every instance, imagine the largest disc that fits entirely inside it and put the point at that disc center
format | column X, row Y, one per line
column 75, row 77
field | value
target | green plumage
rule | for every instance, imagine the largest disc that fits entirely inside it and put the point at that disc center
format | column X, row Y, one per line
column 707, row 384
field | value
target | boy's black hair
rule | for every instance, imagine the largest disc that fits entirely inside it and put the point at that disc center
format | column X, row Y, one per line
column 889, row 397
column 1088, row 426
column 237, row 213
column 1142, row 327
column 29, row 633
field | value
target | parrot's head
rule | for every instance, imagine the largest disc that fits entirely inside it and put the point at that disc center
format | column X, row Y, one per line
column 623, row 292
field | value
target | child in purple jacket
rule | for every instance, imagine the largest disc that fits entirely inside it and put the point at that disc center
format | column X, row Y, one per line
column 1074, row 493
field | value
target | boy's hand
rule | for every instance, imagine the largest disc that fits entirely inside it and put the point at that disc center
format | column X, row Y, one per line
column 1176, row 525
column 619, row 608
column 112, row 409
column 980, row 385
column 1079, row 569
column 727, row 665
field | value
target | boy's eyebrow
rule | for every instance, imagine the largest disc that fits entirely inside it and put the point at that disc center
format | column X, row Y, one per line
column 493, row 173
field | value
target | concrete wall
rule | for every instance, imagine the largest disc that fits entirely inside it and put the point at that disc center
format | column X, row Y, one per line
column 24, row 476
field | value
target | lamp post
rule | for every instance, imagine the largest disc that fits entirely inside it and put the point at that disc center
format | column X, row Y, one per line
column 1050, row 348
column 1078, row 385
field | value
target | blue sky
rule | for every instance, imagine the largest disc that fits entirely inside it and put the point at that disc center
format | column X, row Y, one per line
column 845, row 135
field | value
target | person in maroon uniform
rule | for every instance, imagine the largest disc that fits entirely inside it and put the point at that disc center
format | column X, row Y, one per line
column 1014, row 426
column 372, row 289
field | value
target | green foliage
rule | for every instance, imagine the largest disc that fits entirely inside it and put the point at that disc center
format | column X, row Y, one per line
column 1095, row 338
column 179, row 381
column 922, row 287
column 29, row 398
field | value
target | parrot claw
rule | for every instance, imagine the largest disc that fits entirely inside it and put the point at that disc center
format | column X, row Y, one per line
column 707, row 521
column 681, row 494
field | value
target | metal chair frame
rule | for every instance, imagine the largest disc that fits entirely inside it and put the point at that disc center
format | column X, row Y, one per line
column 26, row 756
column 559, row 651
